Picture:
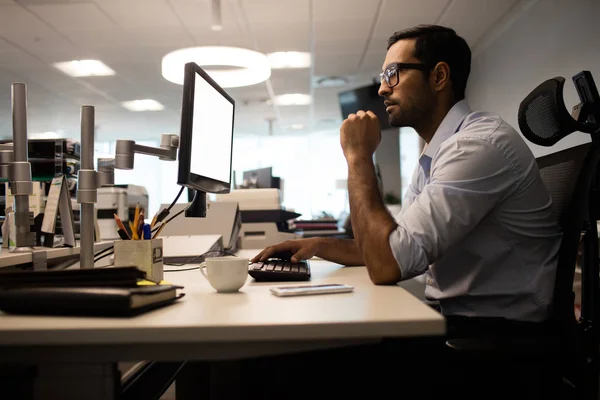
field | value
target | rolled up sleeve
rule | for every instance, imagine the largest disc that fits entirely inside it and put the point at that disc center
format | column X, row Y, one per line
column 469, row 177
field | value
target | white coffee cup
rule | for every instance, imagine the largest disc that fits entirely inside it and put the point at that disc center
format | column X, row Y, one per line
column 225, row 274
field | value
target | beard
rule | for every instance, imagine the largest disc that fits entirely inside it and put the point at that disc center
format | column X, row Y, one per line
column 411, row 112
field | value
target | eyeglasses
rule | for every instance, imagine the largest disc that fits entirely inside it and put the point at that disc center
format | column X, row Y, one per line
column 392, row 71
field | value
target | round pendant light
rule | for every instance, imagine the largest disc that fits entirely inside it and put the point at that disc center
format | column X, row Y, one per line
column 243, row 67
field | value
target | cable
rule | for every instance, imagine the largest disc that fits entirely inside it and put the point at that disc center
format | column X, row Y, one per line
column 159, row 217
column 103, row 251
column 179, row 270
column 164, row 212
column 176, row 198
column 159, row 228
column 196, row 258
column 101, row 257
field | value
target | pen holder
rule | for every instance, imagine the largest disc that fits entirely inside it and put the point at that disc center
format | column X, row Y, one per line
column 146, row 255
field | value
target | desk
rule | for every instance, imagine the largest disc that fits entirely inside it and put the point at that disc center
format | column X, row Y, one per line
column 205, row 325
column 9, row 259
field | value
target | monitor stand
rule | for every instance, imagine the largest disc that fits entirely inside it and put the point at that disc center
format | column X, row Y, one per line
column 197, row 208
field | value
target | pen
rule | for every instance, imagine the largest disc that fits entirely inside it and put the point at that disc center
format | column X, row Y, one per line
column 121, row 227
column 147, row 232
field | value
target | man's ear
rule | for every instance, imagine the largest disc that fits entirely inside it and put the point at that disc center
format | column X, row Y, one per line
column 440, row 76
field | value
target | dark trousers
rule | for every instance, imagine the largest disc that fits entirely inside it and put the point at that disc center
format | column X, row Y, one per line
column 407, row 368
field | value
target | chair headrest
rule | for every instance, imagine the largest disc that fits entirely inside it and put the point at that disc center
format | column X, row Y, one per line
column 543, row 116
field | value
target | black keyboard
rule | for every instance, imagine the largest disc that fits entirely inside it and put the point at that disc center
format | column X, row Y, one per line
column 278, row 270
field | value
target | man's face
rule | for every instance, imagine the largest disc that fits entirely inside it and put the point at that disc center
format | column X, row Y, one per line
column 411, row 100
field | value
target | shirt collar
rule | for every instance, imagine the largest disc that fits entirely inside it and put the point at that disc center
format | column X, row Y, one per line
column 449, row 126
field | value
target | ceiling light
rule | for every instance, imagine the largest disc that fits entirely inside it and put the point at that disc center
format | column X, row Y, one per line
column 79, row 68
column 331, row 81
column 252, row 66
column 292, row 99
column 143, row 105
column 297, row 127
column 289, row 59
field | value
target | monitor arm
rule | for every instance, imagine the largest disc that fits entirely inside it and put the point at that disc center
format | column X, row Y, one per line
column 124, row 159
column 126, row 149
column 88, row 180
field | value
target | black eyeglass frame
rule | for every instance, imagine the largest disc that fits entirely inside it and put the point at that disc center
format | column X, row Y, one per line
column 398, row 67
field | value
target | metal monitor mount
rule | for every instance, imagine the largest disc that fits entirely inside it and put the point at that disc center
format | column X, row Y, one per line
column 88, row 180
column 15, row 166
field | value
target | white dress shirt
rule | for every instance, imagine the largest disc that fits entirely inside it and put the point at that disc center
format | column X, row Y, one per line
column 476, row 221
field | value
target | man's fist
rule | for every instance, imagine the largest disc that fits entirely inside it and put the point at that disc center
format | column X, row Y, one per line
column 360, row 134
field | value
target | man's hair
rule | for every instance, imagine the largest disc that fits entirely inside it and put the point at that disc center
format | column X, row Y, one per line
column 435, row 44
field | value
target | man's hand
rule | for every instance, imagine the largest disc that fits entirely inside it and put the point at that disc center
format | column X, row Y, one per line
column 297, row 250
column 360, row 135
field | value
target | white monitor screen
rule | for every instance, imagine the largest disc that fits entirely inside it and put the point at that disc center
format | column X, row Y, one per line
column 212, row 133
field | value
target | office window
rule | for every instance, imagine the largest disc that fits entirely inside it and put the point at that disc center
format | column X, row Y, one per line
column 157, row 176
column 310, row 166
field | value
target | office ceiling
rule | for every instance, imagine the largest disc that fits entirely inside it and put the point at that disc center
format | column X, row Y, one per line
column 347, row 38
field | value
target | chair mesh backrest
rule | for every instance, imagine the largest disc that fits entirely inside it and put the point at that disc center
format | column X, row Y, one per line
column 560, row 172
column 569, row 177
column 543, row 117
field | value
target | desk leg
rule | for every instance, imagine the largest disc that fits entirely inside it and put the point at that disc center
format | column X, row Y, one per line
column 209, row 380
column 77, row 381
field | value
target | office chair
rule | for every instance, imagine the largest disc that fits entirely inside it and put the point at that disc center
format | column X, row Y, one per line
column 567, row 354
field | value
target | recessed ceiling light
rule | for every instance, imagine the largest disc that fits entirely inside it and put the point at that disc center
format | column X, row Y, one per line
column 252, row 67
column 331, row 81
column 289, row 59
column 292, row 99
column 143, row 105
column 78, row 68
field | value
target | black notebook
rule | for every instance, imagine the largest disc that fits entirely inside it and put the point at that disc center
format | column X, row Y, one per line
column 87, row 301
column 92, row 277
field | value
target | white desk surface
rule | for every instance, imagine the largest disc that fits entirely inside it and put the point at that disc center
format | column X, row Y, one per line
column 215, row 322
column 252, row 314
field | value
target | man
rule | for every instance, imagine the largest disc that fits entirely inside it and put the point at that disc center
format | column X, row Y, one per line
column 476, row 219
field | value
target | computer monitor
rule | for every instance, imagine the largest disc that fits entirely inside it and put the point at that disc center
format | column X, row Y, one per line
column 261, row 178
column 364, row 98
column 206, row 138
